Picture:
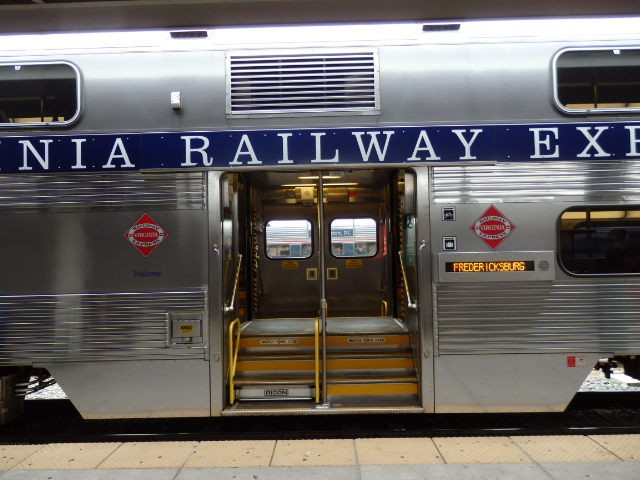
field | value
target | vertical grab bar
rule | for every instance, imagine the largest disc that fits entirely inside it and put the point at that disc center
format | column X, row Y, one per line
column 410, row 303
column 317, row 358
column 229, row 308
column 233, row 358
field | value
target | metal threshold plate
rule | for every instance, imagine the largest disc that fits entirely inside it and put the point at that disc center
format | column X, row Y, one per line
column 309, row 408
column 335, row 326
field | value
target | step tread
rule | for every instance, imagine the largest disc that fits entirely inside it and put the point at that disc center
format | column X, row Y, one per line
column 335, row 325
column 330, row 356
column 331, row 379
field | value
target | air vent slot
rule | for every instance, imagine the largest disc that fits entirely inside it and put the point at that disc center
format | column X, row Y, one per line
column 441, row 27
column 302, row 82
column 190, row 34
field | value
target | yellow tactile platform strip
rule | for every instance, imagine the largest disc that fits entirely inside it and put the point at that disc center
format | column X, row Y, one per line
column 292, row 453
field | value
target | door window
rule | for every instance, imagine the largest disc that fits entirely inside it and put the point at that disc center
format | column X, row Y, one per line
column 354, row 237
column 288, row 239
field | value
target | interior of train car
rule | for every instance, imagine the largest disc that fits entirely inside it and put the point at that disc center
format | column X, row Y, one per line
column 307, row 249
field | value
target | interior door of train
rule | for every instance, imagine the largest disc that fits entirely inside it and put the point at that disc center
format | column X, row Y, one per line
column 330, row 245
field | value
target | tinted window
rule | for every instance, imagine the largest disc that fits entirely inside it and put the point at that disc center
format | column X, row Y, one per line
column 288, row 239
column 603, row 79
column 600, row 240
column 38, row 94
column 354, row 237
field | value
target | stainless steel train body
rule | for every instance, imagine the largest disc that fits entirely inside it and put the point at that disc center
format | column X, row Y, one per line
column 387, row 218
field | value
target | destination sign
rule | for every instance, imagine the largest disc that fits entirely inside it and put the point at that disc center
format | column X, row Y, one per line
column 503, row 266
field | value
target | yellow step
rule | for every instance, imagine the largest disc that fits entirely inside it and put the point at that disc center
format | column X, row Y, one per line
column 298, row 362
column 374, row 388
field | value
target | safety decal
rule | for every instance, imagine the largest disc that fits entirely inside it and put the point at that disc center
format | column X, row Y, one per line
column 146, row 235
column 493, row 227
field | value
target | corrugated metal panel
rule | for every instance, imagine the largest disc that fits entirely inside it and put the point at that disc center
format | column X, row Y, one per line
column 112, row 326
column 118, row 190
column 529, row 182
column 302, row 81
column 538, row 317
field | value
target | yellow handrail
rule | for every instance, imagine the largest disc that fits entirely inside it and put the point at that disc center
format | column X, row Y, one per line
column 411, row 304
column 317, row 338
column 384, row 309
column 233, row 358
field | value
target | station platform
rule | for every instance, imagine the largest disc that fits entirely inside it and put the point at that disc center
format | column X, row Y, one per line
column 478, row 458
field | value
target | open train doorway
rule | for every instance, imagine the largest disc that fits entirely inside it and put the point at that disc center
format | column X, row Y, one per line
column 321, row 287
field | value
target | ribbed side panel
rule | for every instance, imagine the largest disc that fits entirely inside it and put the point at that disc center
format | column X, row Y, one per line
column 538, row 317
column 529, row 182
column 117, row 190
column 93, row 326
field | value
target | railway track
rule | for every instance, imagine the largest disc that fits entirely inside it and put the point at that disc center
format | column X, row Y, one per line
column 56, row 421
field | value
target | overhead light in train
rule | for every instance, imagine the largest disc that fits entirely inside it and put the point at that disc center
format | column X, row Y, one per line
column 316, row 177
column 333, row 184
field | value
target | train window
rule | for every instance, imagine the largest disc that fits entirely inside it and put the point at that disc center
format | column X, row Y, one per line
column 288, row 239
column 38, row 94
column 606, row 79
column 600, row 240
column 354, row 237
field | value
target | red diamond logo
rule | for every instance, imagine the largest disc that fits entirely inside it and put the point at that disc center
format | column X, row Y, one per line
column 146, row 235
column 493, row 227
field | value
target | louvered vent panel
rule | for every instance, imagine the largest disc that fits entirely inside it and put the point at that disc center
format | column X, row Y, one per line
column 302, row 82
column 538, row 182
column 104, row 326
column 538, row 317
column 114, row 190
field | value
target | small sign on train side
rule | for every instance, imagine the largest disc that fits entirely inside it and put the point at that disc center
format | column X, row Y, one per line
column 146, row 235
column 493, row 227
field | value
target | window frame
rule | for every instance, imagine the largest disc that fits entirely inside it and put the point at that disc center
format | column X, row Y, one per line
column 279, row 259
column 594, row 110
column 78, row 96
column 355, row 242
column 581, row 208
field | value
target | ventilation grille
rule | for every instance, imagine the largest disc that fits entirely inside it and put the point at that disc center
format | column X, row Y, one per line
column 303, row 82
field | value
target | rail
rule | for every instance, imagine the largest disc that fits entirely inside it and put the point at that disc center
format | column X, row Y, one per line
column 384, row 308
column 229, row 308
column 410, row 303
column 317, row 358
column 233, row 358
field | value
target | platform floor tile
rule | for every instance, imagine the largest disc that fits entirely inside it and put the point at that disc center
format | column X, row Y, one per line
column 123, row 474
column 593, row 470
column 232, row 454
column 557, row 448
column 480, row 450
column 397, row 451
column 150, row 455
column 625, row 447
column 523, row 471
column 269, row 473
column 57, row 456
column 11, row 455
column 304, row 453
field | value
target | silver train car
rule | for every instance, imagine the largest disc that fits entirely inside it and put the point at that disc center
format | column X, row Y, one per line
column 366, row 218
